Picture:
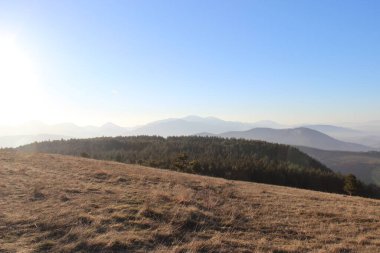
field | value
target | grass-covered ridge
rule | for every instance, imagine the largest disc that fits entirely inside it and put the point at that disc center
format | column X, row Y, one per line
column 237, row 159
column 54, row 203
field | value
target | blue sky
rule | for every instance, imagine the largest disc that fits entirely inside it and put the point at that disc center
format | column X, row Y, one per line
column 131, row 62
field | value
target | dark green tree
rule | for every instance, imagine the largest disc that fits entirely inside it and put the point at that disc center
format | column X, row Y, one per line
column 181, row 162
column 85, row 155
column 119, row 158
column 351, row 184
column 195, row 166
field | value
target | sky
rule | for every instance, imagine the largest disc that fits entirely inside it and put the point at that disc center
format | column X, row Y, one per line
column 131, row 62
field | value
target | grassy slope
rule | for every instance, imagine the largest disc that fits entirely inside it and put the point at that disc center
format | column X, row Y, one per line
column 64, row 204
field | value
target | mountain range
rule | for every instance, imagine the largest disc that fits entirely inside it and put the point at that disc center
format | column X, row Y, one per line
column 327, row 137
column 296, row 137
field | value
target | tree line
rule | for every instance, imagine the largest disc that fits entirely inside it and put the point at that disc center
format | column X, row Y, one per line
column 236, row 159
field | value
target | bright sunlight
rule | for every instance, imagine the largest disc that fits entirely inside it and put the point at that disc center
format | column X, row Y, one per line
column 20, row 91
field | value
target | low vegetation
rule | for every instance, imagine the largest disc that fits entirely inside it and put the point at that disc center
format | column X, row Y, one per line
column 237, row 159
column 55, row 203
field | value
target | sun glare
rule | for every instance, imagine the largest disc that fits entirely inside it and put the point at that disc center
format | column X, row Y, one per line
column 20, row 91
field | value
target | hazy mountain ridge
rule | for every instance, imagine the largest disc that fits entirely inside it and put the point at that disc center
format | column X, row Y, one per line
column 364, row 165
column 190, row 125
column 296, row 137
column 368, row 140
column 14, row 141
column 331, row 129
column 38, row 131
column 365, row 134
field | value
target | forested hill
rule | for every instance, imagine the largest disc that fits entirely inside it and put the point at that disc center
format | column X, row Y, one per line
column 238, row 159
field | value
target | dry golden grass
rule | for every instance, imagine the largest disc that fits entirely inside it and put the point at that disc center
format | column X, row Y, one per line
column 54, row 203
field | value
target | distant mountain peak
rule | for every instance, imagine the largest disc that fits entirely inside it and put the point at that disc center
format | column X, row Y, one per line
column 109, row 125
column 195, row 118
column 192, row 117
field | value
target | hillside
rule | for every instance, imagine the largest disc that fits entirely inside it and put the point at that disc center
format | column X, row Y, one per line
column 335, row 131
column 56, row 203
column 365, row 165
column 297, row 137
column 237, row 159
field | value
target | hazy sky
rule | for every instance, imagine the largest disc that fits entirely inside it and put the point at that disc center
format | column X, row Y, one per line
column 130, row 62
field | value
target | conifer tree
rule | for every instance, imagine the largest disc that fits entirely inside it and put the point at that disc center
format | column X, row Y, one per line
column 351, row 184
